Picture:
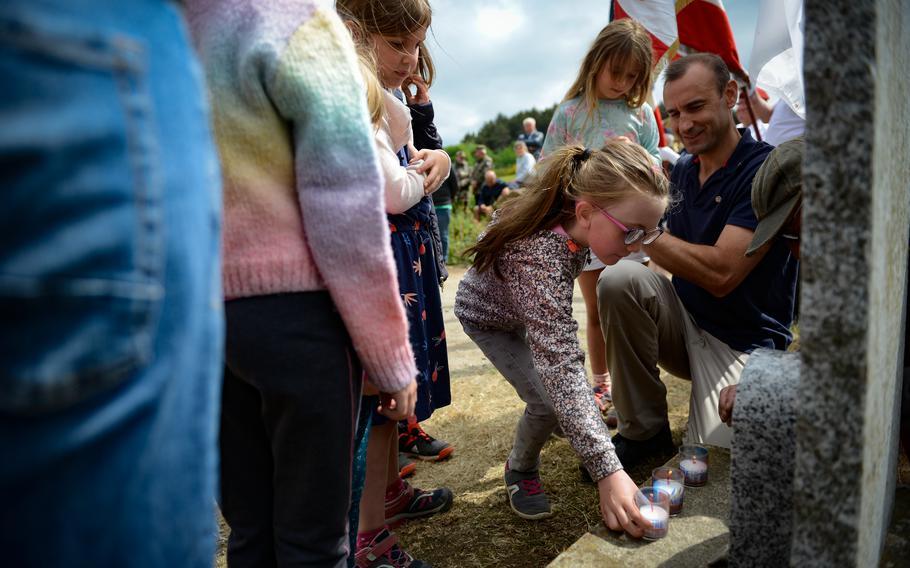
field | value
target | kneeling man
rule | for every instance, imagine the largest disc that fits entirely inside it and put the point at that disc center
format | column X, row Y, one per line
column 720, row 304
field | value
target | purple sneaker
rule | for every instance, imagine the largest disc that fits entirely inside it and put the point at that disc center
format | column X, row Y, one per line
column 526, row 496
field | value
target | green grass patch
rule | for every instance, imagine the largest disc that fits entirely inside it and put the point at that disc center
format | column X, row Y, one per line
column 463, row 232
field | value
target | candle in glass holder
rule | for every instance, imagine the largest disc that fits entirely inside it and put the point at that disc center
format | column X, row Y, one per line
column 654, row 505
column 693, row 461
column 670, row 479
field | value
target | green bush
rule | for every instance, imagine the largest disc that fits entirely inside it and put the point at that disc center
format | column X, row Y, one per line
column 503, row 130
column 503, row 160
column 463, row 232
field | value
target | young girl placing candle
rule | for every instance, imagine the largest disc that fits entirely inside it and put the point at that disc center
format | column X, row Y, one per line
column 516, row 304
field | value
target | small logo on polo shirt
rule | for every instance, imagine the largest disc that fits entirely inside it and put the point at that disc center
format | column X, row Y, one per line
column 717, row 199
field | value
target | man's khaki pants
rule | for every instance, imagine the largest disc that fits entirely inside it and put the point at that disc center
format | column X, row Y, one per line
column 645, row 325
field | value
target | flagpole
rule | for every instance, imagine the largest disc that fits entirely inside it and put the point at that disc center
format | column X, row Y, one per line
column 751, row 113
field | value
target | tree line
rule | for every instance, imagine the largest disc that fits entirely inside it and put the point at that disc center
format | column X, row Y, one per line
column 502, row 131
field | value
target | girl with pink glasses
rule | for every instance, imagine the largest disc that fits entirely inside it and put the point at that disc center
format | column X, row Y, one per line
column 515, row 303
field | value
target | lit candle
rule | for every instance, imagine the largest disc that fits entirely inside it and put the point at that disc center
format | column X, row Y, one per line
column 670, row 481
column 659, row 519
column 675, row 489
column 695, row 471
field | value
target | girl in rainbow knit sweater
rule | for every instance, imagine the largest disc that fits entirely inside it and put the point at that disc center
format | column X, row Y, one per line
column 312, row 296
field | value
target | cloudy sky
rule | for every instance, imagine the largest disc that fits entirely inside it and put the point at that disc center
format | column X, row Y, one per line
column 504, row 56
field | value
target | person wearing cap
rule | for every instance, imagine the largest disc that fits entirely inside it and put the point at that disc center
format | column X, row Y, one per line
column 777, row 198
column 720, row 304
column 482, row 164
column 463, row 175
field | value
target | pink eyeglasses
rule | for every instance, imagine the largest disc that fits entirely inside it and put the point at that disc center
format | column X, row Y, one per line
column 632, row 235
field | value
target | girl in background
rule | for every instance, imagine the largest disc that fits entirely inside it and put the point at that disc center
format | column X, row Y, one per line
column 610, row 200
column 392, row 34
column 308, row 276
column 413, row 441
column 607, row 101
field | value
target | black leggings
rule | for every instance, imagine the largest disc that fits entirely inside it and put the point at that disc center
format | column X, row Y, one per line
column 289, row 410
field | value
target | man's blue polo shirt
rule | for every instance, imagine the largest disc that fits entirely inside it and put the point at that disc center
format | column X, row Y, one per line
column 758, row 313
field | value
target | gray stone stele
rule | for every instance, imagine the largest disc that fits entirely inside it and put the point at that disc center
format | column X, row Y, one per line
column 763, row 460
column 854, row 250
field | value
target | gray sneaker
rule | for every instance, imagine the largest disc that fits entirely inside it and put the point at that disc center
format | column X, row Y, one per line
column 526, row 496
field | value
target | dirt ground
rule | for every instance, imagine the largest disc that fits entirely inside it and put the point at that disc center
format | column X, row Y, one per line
column 481, row 530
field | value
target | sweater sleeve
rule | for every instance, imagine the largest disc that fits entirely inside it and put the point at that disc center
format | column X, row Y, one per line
column 403, row 186
column 316, row 87
column 425, row 134
column 544, row 288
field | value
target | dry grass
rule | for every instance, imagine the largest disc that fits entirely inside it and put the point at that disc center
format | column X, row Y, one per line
column 481, row 530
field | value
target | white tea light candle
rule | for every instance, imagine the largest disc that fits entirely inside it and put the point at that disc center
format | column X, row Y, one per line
column 695, row 472
column 654, row 506
column 659, row 519
column 670, row 480
column 693, row 461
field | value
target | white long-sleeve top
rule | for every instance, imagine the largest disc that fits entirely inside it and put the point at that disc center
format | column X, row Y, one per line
column 403, row 186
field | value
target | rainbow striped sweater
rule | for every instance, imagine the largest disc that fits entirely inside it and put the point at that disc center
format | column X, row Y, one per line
column 303, row 194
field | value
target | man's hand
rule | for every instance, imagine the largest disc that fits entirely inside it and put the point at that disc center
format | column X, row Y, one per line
column 617, row 504
column 760, row 107
column 398, row 405
column 725, row 404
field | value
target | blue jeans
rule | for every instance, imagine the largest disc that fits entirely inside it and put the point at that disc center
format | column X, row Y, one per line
column 444, row 215
column 111, row 335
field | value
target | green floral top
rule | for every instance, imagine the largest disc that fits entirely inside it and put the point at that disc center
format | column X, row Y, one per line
column 573, row 124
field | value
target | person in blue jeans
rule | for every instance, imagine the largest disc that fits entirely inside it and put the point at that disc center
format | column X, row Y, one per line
column 442, row 202
column 111, row 335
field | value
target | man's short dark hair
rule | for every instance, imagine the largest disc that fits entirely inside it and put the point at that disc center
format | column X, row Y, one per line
column 712, row 62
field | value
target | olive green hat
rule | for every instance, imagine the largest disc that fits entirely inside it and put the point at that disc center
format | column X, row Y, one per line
column 777, row 191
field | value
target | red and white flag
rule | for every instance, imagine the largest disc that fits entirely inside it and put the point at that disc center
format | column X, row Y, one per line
column 659, row 18
column 701, row 25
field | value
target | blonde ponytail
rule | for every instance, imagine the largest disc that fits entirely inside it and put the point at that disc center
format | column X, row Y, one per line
column 572, row 173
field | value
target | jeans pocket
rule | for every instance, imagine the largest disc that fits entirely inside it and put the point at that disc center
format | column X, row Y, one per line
column 82, row 255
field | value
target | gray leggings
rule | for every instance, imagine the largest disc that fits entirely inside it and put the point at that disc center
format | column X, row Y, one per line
column 510, row 354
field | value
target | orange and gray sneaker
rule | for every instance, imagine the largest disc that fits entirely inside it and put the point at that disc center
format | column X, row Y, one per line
column 415, row 443
column 406, row 467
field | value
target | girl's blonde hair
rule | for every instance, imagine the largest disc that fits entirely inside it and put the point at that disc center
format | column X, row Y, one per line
column 390, row 18
column 572, row 173
column 620, row 44
column 375, row 98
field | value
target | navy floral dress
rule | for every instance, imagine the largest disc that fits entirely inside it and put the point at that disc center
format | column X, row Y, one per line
column 418, row 284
